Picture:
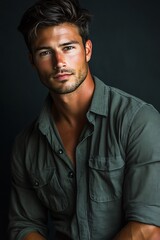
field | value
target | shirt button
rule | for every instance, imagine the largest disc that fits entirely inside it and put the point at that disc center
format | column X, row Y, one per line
column 36, row 183
column 70, row 174
column 60, row 151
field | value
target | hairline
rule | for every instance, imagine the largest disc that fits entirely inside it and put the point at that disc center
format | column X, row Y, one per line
column 33, row 34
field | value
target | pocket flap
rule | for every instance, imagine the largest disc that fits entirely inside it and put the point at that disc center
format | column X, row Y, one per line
column 41, row 178
column 106, row 163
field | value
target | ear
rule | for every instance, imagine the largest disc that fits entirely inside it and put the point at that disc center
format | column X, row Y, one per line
column 88, row 48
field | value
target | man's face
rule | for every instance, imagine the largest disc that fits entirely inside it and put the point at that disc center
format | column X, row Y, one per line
column 60, row 57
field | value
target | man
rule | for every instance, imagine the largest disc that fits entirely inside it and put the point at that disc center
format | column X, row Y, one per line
column 92, row 158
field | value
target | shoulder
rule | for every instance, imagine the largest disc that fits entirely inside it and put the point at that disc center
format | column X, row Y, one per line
column 115, row 95
column 25, row 134
column 136, row 116
column 33, row 130
column 122, row 103
column 23, row 145
column 124, row 99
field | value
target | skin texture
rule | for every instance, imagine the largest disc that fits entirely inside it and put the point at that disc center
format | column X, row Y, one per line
column 138, row 231
column 34, row 236
column 61, row 60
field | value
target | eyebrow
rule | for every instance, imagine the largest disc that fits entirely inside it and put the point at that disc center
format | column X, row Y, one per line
column 60, row 45
column 68, row 43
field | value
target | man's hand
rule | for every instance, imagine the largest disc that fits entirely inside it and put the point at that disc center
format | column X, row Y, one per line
column 138, row 231
column 34, row 236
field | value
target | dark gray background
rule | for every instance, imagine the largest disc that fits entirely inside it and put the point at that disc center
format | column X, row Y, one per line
column 126, row 55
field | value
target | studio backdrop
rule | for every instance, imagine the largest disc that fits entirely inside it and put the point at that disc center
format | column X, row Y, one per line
column 126, row 55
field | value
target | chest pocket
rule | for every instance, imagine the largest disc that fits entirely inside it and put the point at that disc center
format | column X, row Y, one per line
column 49, row 190
column 105, row 178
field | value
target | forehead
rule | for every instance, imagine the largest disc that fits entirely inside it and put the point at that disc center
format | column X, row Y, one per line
column 57, row 34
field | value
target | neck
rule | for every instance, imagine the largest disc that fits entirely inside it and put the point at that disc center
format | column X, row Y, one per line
column 69, row 112
column 72, row 107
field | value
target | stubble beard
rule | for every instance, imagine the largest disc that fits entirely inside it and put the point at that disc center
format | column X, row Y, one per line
column 62, row 89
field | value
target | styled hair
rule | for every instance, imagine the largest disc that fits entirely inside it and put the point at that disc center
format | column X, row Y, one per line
column 46, row 13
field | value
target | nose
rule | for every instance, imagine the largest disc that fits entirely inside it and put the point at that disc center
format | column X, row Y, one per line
column 59, row 60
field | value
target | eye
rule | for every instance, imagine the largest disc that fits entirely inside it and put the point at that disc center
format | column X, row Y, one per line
column 45, row 53
column 68, row 48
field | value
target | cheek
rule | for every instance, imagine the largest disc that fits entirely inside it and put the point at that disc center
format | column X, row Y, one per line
column 44, row 66
column 77, row 60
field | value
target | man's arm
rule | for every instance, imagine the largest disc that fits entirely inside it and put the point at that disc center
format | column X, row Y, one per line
column 34, row 236
column 141, row 195
column 138, row 231
column 27, row 216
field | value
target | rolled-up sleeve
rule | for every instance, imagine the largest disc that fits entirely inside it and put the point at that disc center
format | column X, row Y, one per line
column 26, row 213
column 142, row 177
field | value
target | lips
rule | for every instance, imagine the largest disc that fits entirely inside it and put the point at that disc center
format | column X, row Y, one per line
column 62, row 76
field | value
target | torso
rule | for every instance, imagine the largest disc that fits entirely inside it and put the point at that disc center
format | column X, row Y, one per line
column 70, row 137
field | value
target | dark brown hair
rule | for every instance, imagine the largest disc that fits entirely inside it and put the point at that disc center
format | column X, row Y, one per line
column 51, row 13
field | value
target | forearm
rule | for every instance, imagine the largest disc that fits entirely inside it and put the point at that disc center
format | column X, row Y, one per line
column 34, row 236
column 138, row 231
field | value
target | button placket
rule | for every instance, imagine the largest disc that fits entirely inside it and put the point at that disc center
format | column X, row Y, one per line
column 71, row 174
column 60, row 151
column 36, row 183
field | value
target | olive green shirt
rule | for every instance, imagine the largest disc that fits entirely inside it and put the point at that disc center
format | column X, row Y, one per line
column 116, row 178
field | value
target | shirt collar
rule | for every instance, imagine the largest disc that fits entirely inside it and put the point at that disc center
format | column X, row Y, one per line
column 99, row 104
column 45, row 118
